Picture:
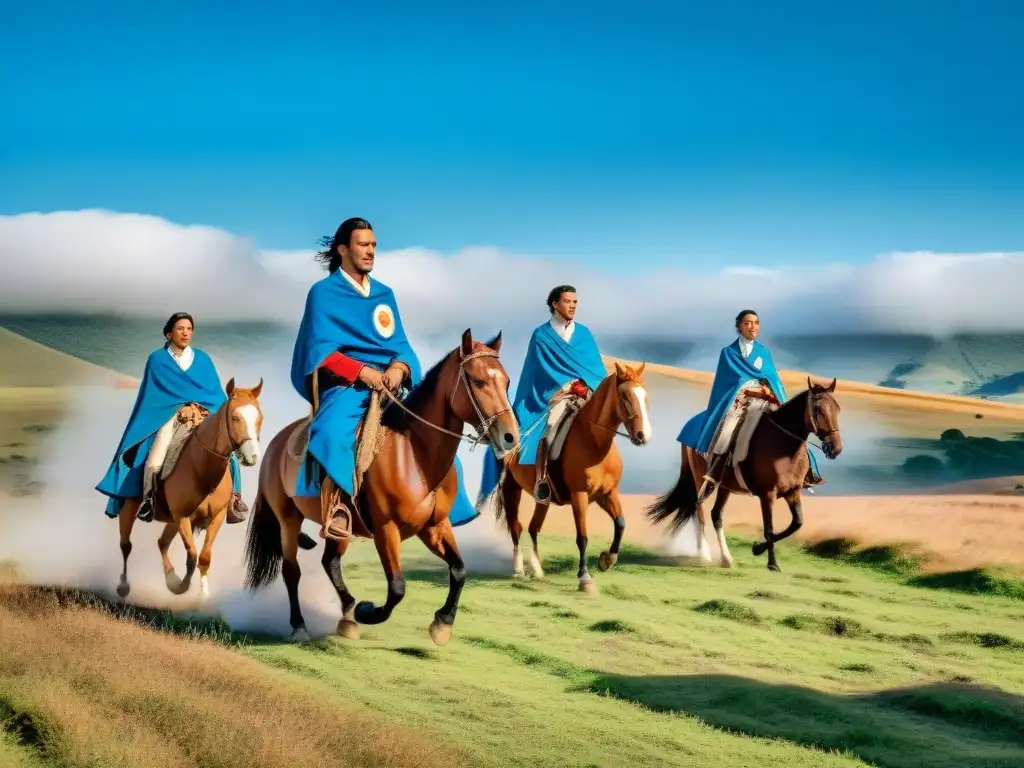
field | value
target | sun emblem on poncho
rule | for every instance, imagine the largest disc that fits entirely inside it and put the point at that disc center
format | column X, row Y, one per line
column 384, row 320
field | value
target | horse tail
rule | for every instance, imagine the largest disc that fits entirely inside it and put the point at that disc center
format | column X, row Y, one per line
column 679, row 504
column 263, row 553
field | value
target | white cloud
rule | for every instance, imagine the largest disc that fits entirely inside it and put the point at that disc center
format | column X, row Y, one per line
column 102, row 261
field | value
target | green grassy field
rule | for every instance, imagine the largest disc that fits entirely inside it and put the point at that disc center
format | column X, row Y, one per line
column 827, row 663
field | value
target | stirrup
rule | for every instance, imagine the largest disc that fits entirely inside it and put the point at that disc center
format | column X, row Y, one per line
column 336, row 529
column 147, row 511
column 542, row 491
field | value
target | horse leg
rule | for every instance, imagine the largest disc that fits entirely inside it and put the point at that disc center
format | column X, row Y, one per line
column 164, row 544
column 441, row 541
column 796, row 511
column 511, row 494
column 331, row 561
column 206, row 556
column 291, row 525
column 580, row 500
column 716, row 520
column 768, row 544
column 540, row 513
column 174, row 584
column 126, row 521
column 389, row 544
column 612, row 504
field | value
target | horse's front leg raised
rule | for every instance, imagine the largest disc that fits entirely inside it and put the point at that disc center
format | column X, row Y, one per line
column 580, row 500
column 389, row 542
column 440, row 539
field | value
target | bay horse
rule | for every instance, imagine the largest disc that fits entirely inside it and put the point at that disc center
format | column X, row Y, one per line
column 588, row 469
column 775, row 466
column 196, row 493
column 408, row 489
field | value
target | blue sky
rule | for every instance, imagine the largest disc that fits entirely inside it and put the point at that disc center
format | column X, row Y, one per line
column 636, row 134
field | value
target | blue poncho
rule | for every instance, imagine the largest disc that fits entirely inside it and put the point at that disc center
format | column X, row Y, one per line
column 165, row 388
column 550, row 362
column 733, row 372
column 368, row 328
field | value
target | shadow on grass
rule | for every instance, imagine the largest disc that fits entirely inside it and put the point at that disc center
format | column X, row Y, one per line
column 936, row 725
column 946, row 725
column 893, row 560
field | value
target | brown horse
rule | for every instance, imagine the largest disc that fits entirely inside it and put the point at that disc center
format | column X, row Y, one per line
column 196, row 493
column 588, row 469
column 408, row 489
column 775, row 466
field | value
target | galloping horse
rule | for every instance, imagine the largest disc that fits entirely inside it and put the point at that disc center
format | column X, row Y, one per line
column 775, row 465
column 196, row 493
column 588, row 470
column 409, row 489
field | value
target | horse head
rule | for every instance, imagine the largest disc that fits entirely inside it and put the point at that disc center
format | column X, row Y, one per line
column 823, row 417
column 245, row 421
column 632, row 402
column 480, row 396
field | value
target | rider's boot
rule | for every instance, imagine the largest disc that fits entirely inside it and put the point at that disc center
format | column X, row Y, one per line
column 336, row 517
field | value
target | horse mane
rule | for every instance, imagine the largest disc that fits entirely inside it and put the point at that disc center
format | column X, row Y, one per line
column 396, row 419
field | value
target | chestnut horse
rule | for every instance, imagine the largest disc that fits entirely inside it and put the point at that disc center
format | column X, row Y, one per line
column 197, row 492
column 408, row 489
column 588, row 469
column 775, row 466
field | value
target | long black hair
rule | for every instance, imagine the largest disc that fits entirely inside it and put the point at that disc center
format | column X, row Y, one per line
column 328, row 255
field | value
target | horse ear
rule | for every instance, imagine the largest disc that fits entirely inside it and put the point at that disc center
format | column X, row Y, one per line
column 467, row 342
column 640, row 370
column 619, row 372
column 495, row 343
column 810, row 384
column 230, row 386
column 832, row 386
column 258, row 388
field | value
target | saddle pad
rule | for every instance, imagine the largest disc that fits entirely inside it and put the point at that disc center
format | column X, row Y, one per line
column 756, row 408
column 731, row 420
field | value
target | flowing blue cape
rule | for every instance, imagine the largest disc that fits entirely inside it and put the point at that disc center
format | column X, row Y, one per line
column 733, row 372
column 550, row 363
column 164, row 389
column 338, row 318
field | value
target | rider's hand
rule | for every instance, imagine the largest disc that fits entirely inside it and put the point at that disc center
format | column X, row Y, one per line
column 371, row 377
column 394, row 376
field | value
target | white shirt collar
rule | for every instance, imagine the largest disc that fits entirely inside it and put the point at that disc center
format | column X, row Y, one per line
column 184, row 360
column 745, row 346
column 363, row 288
column 561, row 327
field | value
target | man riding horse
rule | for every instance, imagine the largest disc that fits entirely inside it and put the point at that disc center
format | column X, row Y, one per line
column 746, row 372
column 351, row 342
column 177, row 375
column 563, row 367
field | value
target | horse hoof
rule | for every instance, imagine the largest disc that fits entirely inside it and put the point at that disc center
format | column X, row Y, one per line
column 589, row 587
column 519, row 575
column 440, row 633
column 726, row 563
column 175, row 585
column 606, row 561
column 306, row 541
column 774, row 567
column 348, row 629
column 123, row 589
column 299, row 635
column 759, row 548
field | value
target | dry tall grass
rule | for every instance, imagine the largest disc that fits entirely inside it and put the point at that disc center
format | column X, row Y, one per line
column 88, row 689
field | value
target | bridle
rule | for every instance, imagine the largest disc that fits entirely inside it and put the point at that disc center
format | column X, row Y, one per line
column 627, row 408
column 231, row 440
column 485, row 422
column 824, row 435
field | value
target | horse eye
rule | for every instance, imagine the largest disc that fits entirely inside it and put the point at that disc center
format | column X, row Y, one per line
column 478, row 383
